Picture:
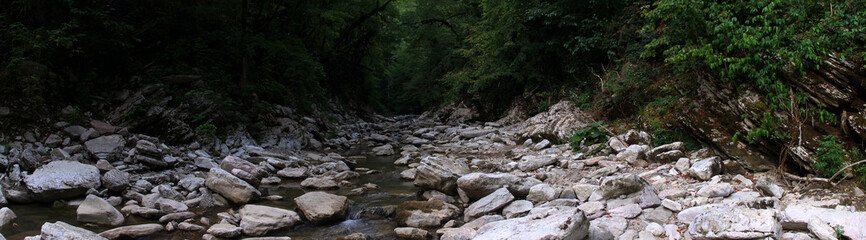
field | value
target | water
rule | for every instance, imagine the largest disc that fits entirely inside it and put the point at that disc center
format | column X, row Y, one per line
column 392, row 191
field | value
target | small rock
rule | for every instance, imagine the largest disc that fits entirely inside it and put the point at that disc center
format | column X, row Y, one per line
column 706, row 168
column 655, row 228
column 490, row 203
column 257, row 220
column 627, row 211
column 411, row 233
column 319, row 183
column 517, row 208
column 716, row 190
column 6, row 216
column 672, row 205
column 321, row 207
column 768, row 188
column 189, row 227
column 133, row 232
column 821, row 229
column 541, row 193
column 61, row 230
column 96, row 210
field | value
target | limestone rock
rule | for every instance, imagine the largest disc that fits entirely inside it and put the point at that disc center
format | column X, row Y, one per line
column 440, row 173
column 478, row 185
column 322, row 207
column 567, row 223
column 62, row 179
column 257, row 220
column 106, row 147
column 133, row 232
column 96, row 210
column 705, row 169
column 490, row 203
column 232, row 188
column 736, row 222
column 63, row 231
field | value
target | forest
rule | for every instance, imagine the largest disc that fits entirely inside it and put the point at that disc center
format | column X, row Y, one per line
column 433, row 119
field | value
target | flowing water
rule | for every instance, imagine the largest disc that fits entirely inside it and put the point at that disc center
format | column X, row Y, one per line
column 392, row 191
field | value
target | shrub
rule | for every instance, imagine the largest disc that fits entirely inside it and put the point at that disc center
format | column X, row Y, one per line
column 588, row 136
column 830, row 156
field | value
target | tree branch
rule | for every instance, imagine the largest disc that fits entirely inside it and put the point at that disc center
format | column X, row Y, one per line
column 444, row 23
column 357, row 23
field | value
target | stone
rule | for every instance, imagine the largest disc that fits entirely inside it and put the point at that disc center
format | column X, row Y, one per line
column 476, row 133
column 583, row 191
column 62, row 180
column 530, row 163
column 672, row 193
column 673, row 232
column 224, row 230
column 478, row 185
column 6, row 216
column 232, row 188
column 440, row 173
column 410, row 233
column 425, row 214
column 716, row 190
column 232, row 164
column 102, row 127
column 408, row 174
column 496, row 200
column 567, row 223
column 96, row 210
column 615, row 225
column 683, row 165
column 517, row 208
column 319, row 183
column 384, row 150
column 797, row 216
column 133, row 232
column 668, row 156
column 597, row 233
column 768, row 188
column 672, row 205
column 176, row 217
column 659, row 215
column 627, row 211
column 648, row 198
column 167, row 206
column 541, row 193
column 106, row 147
column 591, row 208
column 298, row 172
column 456, row 233
column 63, row 231
column 322, row 207
column 621, row 185
column 191, row 183
column 257, row 220
column 189, row 227
column 74, row 131
column 655, row 228
column 736, row 222
column 115, row 180
column 820, row 229
column 705, row 169
column 541, row 145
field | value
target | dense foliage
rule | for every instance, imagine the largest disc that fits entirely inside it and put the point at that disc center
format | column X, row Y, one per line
column 290, row 52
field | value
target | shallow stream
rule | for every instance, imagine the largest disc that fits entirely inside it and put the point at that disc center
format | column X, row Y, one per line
column 392, row 191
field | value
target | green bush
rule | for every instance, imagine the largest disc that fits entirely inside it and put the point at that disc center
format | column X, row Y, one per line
column 830, row 156
column 588, row 136
column 206, row 128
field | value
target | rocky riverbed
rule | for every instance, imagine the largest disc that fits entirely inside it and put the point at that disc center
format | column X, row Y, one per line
column 409, row 177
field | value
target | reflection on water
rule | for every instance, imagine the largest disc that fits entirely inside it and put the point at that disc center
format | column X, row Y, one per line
column 392, row 191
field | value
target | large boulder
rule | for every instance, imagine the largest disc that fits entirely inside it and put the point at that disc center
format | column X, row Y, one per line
column 797, row 217
column 106, row 147
column 496, row 200
column 558, row 122
column 440, row 173
column 133, row 232
column 62, row 180
column 96, row 210
column 63, row 231
column 257, row 220
column 256, row 172
column 736, row 222
column 621, row 185
column 566, row 223
column 478, row 185
column 322, row 207
column 705, row 169
column 530, row 163
column 232, row 188
column 425, row 214
column 115, row 180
